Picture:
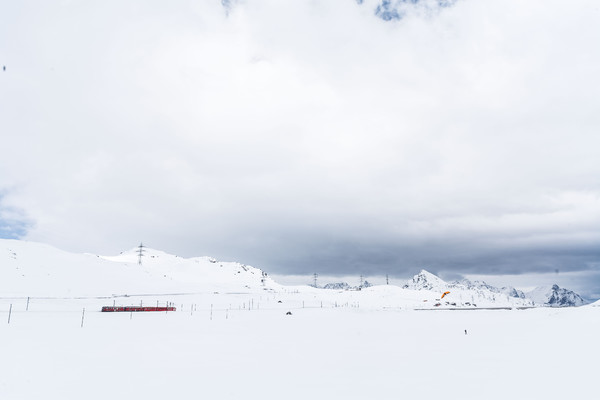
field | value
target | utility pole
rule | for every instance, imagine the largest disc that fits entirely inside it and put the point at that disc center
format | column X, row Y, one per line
column 140, row 253
column 315, row 279
column 361, row 280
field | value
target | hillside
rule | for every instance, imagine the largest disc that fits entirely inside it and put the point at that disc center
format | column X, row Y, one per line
column 35, row 269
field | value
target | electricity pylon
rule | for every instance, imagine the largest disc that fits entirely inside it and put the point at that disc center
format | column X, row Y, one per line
column 140, row 253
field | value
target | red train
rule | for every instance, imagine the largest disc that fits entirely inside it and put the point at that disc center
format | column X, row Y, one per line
column 135, row 309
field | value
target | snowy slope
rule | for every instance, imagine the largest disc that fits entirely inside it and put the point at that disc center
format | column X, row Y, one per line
column 35, row 269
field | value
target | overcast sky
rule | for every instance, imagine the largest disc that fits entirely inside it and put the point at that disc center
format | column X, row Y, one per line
column 341, row 137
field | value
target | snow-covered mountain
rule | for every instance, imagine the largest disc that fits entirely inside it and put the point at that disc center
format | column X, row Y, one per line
column 337, row 286
column 512, row 292
column 35, row 269
column 466, row 293
column 479, row 291
column 480, row 285
column 555, row 296
column 425, row 280
column 346, row 286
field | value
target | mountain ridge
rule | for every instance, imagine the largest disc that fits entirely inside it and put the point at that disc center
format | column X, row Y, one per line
column 37, row 269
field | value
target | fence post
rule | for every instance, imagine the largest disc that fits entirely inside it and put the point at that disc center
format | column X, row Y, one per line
column 9, row 313
column 82, row 316
column 27, row 308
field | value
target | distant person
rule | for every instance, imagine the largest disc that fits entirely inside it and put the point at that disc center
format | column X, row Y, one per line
column 465, row 331
column 4, row 68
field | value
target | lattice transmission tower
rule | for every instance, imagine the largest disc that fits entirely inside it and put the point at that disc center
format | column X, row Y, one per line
column 140, row 252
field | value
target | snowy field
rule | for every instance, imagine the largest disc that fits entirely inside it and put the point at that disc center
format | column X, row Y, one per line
column 251, row 349
column 230, row 337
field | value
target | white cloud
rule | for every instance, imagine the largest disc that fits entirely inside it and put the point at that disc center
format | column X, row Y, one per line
column 281, row 133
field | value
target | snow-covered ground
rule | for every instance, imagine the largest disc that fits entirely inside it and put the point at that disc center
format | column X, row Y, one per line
column 344, row 352
column 232, row 339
